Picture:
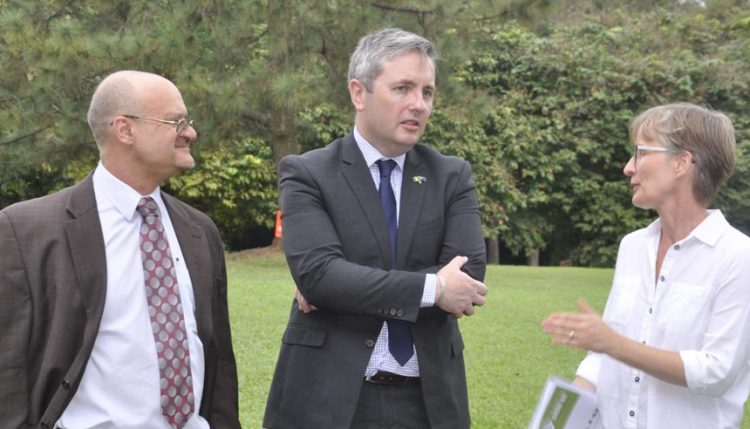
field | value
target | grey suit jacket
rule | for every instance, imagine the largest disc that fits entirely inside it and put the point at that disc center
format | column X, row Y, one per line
column 52, row 288
column 336, row 244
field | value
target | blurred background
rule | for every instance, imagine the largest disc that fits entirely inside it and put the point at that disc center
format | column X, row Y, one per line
column 537, row 95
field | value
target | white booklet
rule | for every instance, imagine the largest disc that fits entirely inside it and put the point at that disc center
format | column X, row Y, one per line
column 564, row 405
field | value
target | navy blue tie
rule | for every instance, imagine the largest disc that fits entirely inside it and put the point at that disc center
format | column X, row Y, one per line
column 400, row 343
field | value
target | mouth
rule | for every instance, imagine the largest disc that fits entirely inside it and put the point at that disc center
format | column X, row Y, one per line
column 411, row 124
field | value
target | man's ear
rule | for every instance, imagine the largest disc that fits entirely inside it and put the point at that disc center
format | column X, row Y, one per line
column 122, row 130
column 357, row 91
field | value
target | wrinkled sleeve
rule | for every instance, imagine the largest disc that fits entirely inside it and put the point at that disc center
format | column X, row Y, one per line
column 225, row 413
column 317, row 261
column 714, row 368
column 15, row 329
column 589, row 367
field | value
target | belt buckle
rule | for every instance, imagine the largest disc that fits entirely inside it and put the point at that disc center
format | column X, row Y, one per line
column 377, row 378
column 386, row 378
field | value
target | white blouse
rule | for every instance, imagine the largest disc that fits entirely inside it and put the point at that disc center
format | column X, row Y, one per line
column 700, row 307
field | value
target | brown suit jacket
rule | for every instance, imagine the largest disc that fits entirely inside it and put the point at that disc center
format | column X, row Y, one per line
column 52, row 288
column 337, row 246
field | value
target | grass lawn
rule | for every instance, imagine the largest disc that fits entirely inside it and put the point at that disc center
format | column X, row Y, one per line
column 507, row 356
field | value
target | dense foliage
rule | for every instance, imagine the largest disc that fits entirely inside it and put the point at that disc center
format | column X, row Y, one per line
column 536, row 95
column 562, row 104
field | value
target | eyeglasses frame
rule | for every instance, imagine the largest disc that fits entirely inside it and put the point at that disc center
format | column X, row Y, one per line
column 179, row 125
column 646, row 148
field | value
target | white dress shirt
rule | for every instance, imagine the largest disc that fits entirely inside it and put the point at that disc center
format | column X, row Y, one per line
column 381, row 358
column 699, row 307
column 120, row 385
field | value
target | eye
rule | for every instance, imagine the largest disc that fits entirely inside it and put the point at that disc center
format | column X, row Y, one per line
column 428, row 93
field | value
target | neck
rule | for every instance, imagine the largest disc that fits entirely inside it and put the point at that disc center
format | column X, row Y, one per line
column 677, row 224
column 387, row 150
column 142, row 182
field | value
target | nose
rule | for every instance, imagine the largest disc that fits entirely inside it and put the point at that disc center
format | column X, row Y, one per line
column 190, row 133
column 629, row 169
column 418, row 102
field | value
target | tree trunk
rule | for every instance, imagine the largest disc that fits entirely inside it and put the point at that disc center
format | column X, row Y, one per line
column 493, row 249
column 533, row 258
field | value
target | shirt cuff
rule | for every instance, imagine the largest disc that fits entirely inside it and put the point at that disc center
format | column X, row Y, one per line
column 589, row 368
column 428, row 294
column 694, row 370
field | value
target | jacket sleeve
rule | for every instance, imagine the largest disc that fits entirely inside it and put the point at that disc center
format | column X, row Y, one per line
column 224, row 411
column 15, row 329
column 463, row 229
column 323, row 273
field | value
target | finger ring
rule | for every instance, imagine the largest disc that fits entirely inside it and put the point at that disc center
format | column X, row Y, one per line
column 571, row 334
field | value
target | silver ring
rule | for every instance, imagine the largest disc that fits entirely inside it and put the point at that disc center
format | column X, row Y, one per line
column 571, row 334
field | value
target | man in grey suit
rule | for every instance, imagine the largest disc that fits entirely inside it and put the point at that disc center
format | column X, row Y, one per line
column 113, row 305
column 383, row 239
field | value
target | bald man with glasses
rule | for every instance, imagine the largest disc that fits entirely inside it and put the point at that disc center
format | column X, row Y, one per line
column 113, row 294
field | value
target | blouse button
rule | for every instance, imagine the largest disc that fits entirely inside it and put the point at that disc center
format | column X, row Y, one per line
column 661, row 278
column 676, row 247
column 632, row 413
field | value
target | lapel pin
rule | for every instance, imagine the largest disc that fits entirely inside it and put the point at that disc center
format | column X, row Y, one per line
column 419, row 179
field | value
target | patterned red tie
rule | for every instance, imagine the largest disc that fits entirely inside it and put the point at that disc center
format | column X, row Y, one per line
column 167, row 320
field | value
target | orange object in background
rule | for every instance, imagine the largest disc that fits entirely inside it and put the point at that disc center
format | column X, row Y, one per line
column 277, row 230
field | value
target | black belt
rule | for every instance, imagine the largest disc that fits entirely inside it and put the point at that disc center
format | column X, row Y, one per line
column 382, row 377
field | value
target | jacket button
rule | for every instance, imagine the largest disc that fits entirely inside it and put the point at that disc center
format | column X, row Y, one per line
column 380, row 310
column 370, row 343
column 400, row 313
column 66, row 384
column 393, row 311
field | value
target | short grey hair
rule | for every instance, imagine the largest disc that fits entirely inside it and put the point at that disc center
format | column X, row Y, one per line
column 374, row 49
column 115, row 95
column 707, row 134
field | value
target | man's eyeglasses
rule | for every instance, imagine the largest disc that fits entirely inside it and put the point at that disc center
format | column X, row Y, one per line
column 180, row 125
column 642, row 148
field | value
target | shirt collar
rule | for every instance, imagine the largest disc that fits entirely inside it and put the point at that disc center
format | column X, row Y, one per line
column 124, row 198
column 711, row 228
column 707, row 231
column 372, row 154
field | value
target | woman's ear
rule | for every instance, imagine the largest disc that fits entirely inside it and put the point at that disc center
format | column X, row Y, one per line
column 684, row 161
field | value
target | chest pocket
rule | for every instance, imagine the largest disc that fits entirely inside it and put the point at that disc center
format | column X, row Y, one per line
column 685, row 309
column 623, row 297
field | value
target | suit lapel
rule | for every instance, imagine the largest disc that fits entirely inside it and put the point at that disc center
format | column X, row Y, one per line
column 357, row 175
column 84, row 233
column 195, row 248
column 413, row 191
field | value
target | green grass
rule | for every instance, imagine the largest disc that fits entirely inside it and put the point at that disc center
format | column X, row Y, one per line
column 507, row 356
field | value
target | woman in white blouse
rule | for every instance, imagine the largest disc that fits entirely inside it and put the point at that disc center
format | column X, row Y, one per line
column 671, row 349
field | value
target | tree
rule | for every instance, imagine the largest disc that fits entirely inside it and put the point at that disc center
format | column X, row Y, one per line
column 562, row 106
column 539, row 105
